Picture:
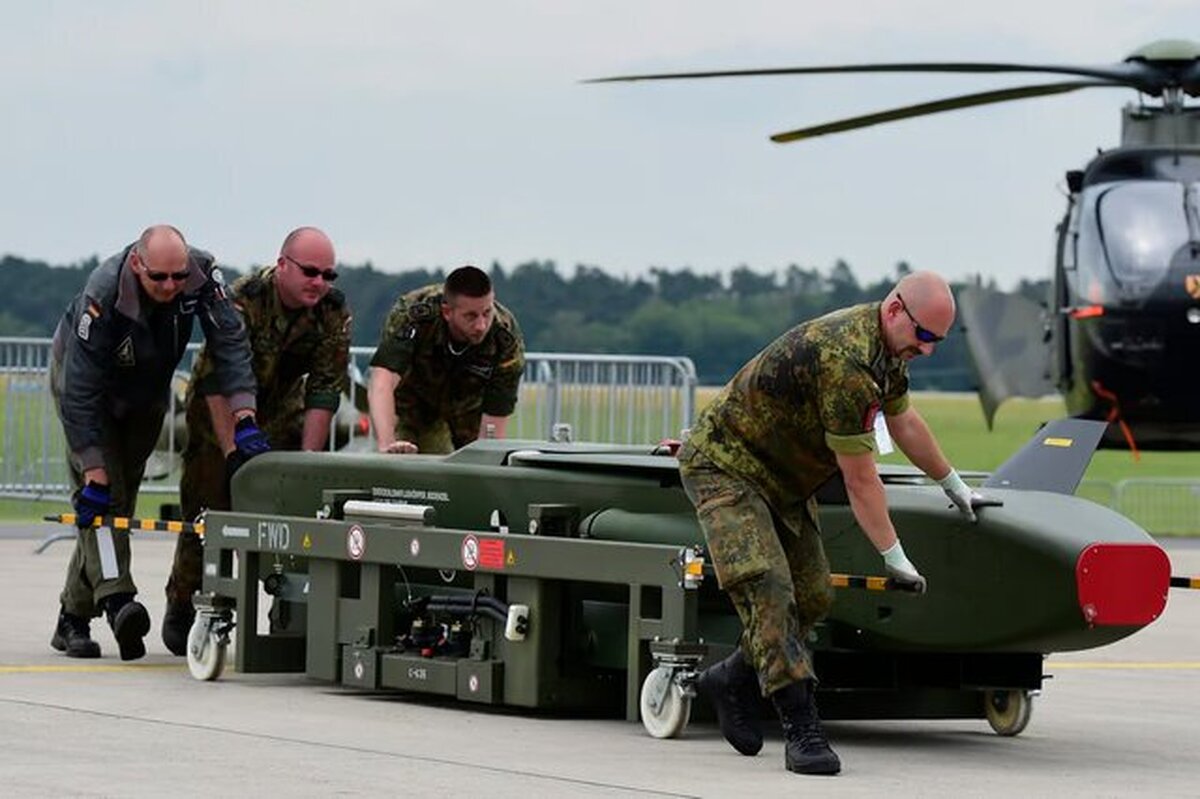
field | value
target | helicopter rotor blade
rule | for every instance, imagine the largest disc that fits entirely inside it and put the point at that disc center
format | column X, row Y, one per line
column 1134, row 74
column 938, row 106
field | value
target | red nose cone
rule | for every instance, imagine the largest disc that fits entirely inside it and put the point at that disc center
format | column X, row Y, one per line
column 1122, row 584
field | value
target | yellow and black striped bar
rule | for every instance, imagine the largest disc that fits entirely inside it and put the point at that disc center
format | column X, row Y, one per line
column 123, row 523
column 1185, row 582
column 870, row 583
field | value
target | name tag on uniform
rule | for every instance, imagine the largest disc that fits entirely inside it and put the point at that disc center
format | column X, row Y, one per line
column 883, row 439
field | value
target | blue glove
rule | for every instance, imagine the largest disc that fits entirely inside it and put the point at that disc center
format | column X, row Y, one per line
column 249, row 440
column 93, row 500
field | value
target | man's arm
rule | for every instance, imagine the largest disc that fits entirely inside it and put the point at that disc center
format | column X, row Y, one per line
column 916, row 441
column 227, row 343
column 869, row 504
column 867, row 498
column 499, row 425
column 222, row 421
column 316, row 429
column 381, row 400
column 328, row 374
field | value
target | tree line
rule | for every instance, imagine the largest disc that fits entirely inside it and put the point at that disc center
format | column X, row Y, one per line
column 718, row 321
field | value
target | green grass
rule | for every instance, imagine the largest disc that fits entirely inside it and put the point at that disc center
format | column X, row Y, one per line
column 956, row 420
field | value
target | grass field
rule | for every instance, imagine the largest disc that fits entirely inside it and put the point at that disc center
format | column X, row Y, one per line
column 956, row 420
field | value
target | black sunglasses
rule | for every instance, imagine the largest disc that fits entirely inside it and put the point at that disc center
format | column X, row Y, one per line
column 924, row 335
column 328, row 275
column 160, row 277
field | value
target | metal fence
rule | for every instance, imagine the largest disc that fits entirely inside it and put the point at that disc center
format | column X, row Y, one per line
column 606, row 398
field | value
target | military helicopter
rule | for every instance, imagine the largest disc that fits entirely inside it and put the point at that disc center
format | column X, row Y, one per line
column 1118, row 333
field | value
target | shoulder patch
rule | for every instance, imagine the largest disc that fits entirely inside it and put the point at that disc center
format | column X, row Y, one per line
column 84, row 330
column 125, row 352
column 869, row 417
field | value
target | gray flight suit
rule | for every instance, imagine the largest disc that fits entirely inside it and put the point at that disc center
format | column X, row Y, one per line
column 115, row 352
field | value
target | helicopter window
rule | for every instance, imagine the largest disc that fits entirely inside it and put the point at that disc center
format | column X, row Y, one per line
column 1145, row 165
column 1140, row 225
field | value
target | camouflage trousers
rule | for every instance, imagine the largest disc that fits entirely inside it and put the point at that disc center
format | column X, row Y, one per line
column 202, row 486
column 772, row 565
column 127, row 446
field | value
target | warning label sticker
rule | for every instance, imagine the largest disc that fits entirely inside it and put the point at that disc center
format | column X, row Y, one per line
column 491, row 553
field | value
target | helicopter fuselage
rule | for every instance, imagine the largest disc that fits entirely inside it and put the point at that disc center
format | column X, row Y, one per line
column 1127, row 294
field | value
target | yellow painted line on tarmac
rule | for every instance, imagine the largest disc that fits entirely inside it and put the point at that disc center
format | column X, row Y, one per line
column 1165, row 665
column 81, row 668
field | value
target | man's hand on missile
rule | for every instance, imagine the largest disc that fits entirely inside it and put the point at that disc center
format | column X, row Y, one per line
column 248, row 442
column 400, row 448
column 901, row 569
column 965, row 498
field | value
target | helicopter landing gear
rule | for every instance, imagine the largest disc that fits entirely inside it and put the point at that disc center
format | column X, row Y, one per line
column 1008, row 711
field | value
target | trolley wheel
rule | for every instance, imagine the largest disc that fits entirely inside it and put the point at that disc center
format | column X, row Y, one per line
column 1008, row 711
column 205, row 649
column 665, row 708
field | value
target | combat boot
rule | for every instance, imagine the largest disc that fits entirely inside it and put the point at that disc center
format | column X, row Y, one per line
column 176, row 624
column 807, row 749
column 130, row 622
column 732, row 687
column 73, row 636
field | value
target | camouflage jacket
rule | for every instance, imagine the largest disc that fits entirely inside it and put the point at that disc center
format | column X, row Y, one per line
column 118, row 349
column 301, row 359
column 438, row 384
column 812, row 392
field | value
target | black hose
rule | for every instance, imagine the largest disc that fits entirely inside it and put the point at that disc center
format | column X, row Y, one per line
column 465, row 610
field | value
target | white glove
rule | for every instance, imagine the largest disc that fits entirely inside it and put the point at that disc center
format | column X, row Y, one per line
column 962, row 495
column 901, row 569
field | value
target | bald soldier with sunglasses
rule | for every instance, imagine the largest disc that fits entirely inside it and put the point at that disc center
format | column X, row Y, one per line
column 299, row 331
column 114, row 355
column 824, row 397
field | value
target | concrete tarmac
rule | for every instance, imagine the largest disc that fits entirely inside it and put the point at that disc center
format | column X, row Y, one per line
column 1119, row 721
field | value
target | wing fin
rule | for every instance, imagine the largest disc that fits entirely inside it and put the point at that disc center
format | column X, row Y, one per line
column 1053, row 460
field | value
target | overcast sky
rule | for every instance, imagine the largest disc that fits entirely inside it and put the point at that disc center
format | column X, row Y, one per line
column 425, row 134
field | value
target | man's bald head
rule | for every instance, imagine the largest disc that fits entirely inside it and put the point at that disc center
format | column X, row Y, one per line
column 305, row 268
column 928, row 297
column 920, row 298
column 160, row 261
column 163, row 239
column 308, row 244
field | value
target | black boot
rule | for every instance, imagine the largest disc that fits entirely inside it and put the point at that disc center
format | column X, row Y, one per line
column 732, row 687
column 73, row 635
column 807, row 749
column 176, row 624
column 130, row 622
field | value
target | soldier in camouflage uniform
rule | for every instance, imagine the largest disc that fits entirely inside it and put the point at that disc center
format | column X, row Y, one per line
column 299, row 330
column 821, row 398
column 114, row 354
column 447, row 367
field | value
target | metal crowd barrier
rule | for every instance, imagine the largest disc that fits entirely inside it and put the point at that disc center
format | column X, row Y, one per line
column 606, row 398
